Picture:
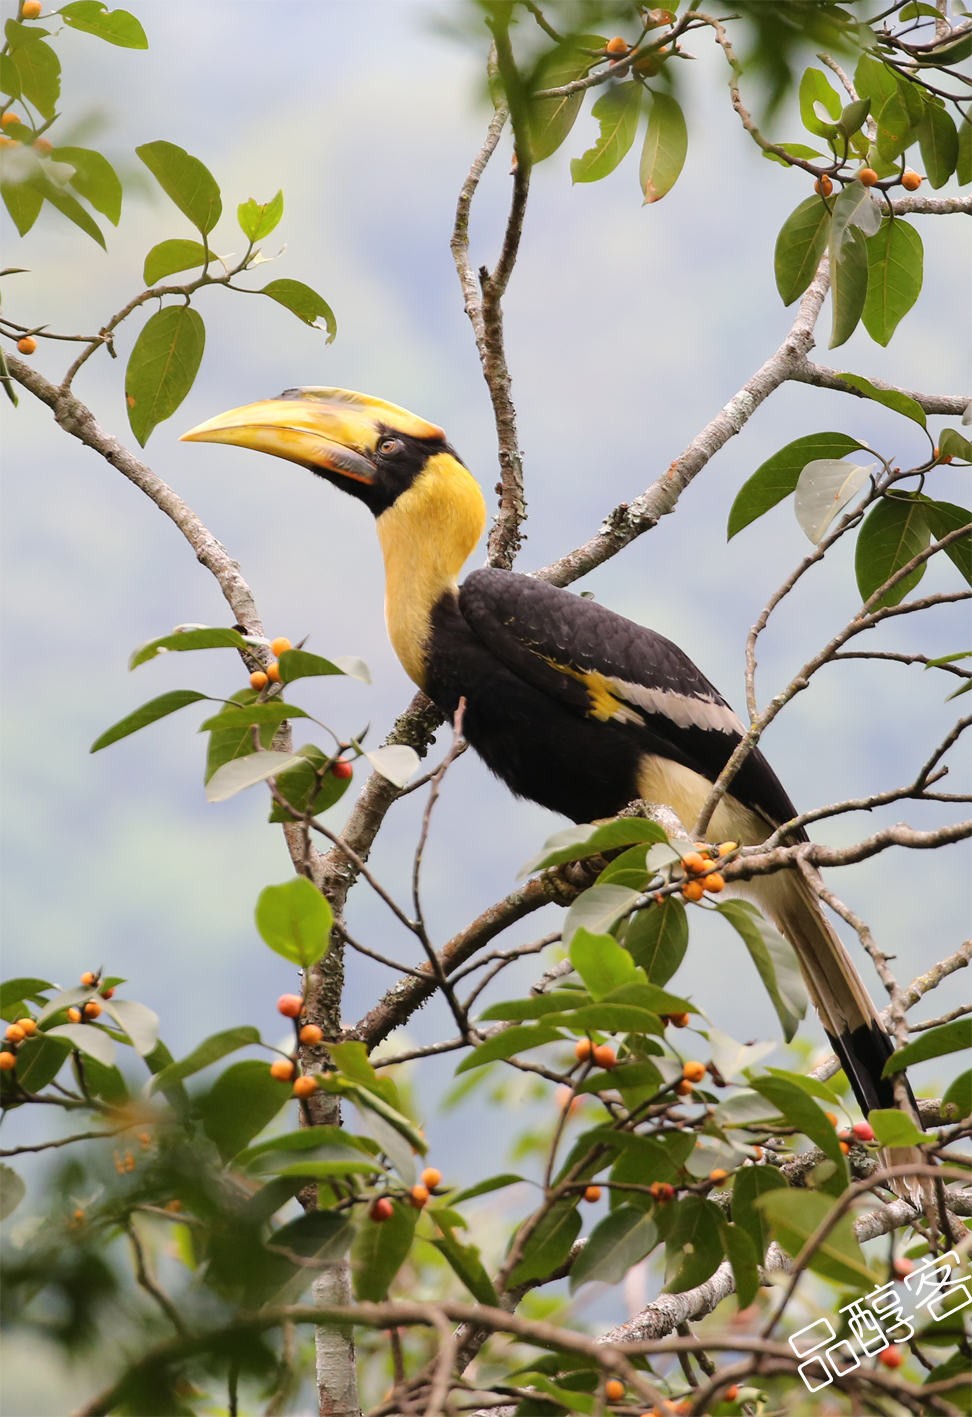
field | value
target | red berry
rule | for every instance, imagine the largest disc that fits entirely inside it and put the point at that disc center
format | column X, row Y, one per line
column 381, row 1210
column 863, row 1131
column 290, row 1005
column 891, row 1357
column 342, row 769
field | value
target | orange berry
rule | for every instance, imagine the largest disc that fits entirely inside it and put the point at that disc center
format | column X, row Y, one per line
column 684, row 1088
column 661, row 1192
column 9, row 142
column 845, row 1147
column 44, row 146
column 693, row 890
column 726, row 846
column 89, row 977
column 910, row 181
column 273, row 672
column 604, row 1055
column 258, row 680
column 583, row 1049
column 92, row 1008
column 693, row 1072
column 731, row 1393
column 145, row 1138
column 14, row 1033
column 107, row 993
column 8, row 118
column 823, row 186
column 891, row 1357
column 418, row 1196
column 173, row 1206
column 282, row 1069
column 27, row 345
column 937, row 454
column 592, row 1194
column 310, row 1033
column 431, row 1177
column 7, row 1061
column 831, row 1118
column 867, row 177
column 381, row 1210
column 280, row 645
column 714, row 882
column 902, row 1267
column 27, row 1026
column 31, row 9
column 289, row 1005
column 718, row 1175
column 613, row 1390
column 342, row 769
column 680, row 1020
column 758, row 1152
column 617, row 45
column 692, row 861
column 74, row 1015
column 305, row 1086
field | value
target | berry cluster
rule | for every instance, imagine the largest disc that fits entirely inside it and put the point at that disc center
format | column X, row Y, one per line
column 26, row 1027
column 700, row 869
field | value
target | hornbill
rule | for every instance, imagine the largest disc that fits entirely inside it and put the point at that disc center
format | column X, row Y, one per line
column 570, row 704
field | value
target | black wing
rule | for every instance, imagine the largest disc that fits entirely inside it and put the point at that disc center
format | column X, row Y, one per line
column 610, row 669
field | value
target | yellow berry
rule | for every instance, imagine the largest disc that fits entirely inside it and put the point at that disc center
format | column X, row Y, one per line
column 715, row 883
column 7, row 1061
column 592, row 1194
column 693, row 890
column 74, row 1015
column 726, row 846
column 282, row 1069
column 823, row 186
column 431, row 1177
column 14, row 1034
column 305, row 1086
column 910, row 181
column 867, row 177
column 28, row 344
column 280, row 646
column 693, row 1072
column 31, row 9
column 273, row 672
column 613, row 1390
column 27, row 1025
column 258, row 679
column 8, row 118
column 718, row 1175
column 310, row 1033
column 418, row 1196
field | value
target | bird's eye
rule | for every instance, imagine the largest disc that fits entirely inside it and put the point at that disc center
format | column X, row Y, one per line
column 388, row 447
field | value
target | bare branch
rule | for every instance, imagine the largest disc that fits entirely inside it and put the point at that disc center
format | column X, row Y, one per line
column 803, row 372
column 148, row 1284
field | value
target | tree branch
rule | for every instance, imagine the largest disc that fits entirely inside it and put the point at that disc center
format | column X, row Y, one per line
column 952, row 405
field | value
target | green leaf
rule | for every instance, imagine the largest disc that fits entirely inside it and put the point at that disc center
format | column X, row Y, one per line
column 778, row 476
column 939, row 144
column 814, row 88
column 617, row 1242
column 162, row 367
column 302, row 786
column 795, row 149
column 894, row 1128
column 39, row 1060
column 115, row 26
column 802, row 1112
column 696, row 1239
column 795, row 1215
column 596, row 910
column 94, row 179
column 170, row 256
column 13, row 991
column 39, row 73
column 200, row 637
column 352, row 1059
column 298, row 664
column 894, row 128
column 628, row 869
column 9, row 78
column 505, row 1044
column 741, row 1254
column 848, row 285
column 246, row 771
column 642, row 1165
column 609, row 1018
column 957, row 1101
column 574, row 1401
column 657, row 939
column 494, row 1183
column 874, row 80
column 138, row 1021
column 209, row 1051
column 773, row 956
column 852, row 117
column 246, row 715
column 894, row 531
column 464, row 1260
column 87, row 1038
column 944, row 517
column 600, row 960
column 894, row 276
column 23, row 203
column 551, row 119
column 951, row 442
column 106, row 1083
column 810, row 1085
column 963, row 165
column 18, row 35
column 258, row 221
column 12, row 1190
column 235, row 740
column 890, row 398
column 66, row 204
column 323, row 1235
column 557, row 1002
column 303, row 302
column 617, row 110
column 379, row 1251
column 295, row 920
column 824, row 490
column 666, row 143
column 308, row 1139
column 800, row 245
column 184, row 178
column 626, row 1077
column 549, row 1244
column 933, row 1043
column 574, row 843
column 148, row 713
column 241, row 1102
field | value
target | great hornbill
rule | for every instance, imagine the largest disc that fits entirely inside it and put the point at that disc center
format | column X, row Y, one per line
column 572, row 705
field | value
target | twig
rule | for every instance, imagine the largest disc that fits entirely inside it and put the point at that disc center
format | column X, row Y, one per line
column 150, row 1287
column 65, row 1141
column 903, row 659
column 821, row 377
column 960, row 1012
column 373, row 954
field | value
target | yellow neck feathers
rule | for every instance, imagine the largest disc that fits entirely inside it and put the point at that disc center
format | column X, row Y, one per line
column 426, row 538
